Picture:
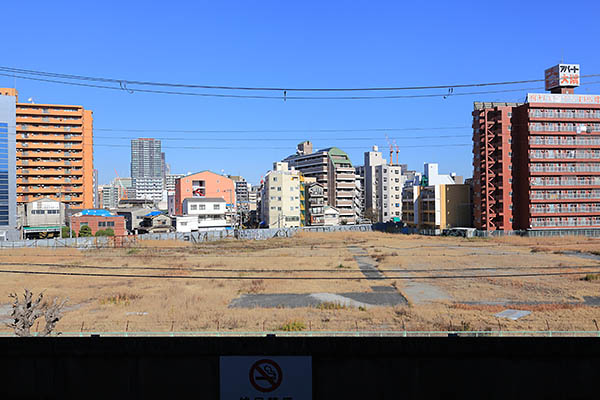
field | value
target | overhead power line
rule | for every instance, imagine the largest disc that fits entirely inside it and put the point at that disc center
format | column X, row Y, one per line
column 310, row 278
column 282, row 97
column 264, row 88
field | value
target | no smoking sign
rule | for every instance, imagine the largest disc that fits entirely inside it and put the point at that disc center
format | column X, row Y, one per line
column 261, row 377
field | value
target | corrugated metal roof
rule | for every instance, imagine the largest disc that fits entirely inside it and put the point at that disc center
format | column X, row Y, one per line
column 100, row 213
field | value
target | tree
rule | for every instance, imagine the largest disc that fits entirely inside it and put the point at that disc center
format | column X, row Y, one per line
column 85, row 231
column 105, row 232
column 371, row 215
column 24, row 313
column 66, row 232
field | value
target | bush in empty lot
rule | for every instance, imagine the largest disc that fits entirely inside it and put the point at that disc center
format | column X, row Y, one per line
column 591, row 277
column 293, row 326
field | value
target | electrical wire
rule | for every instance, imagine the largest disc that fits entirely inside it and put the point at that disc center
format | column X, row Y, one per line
column 310, row 278
column 278, row 89
column 375, row 97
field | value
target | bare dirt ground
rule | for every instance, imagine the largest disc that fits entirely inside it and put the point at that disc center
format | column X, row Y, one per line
column 364, row 281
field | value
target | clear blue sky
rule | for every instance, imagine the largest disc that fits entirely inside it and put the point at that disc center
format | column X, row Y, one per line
column 306, row 44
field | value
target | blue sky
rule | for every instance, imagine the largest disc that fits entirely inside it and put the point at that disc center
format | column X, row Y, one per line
column 291, row 44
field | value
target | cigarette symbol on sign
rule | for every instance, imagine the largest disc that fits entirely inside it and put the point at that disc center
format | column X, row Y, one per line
column 265, row 375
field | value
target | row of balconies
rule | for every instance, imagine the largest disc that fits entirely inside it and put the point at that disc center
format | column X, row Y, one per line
column 564, row 194
column 565, row 181
column 565, row 208
column 564, row 154
column 573, row 167
column 48, row 154
column 569, row 114
column 50, row 171
column 568, row 221
column 54, row 128
column 24, row 109
column 55, row 189
column 49, row 163
column 61, row 137
column 563, row 127
column 56, row 180
column 46, row 119
column 565, row 141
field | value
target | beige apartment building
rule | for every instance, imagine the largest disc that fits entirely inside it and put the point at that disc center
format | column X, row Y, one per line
column 280, row 204
column 55, row 155
column 334, row 171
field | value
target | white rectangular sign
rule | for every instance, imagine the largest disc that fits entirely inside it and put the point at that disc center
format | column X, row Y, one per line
column 563, row 98
column 46, row 205
column 562, row 75
column 265, row 377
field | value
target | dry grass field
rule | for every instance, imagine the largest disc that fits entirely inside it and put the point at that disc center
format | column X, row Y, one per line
column 449, row 283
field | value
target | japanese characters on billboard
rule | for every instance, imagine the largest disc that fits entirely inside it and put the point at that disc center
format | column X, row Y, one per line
column 562, row 75
column 563, row 98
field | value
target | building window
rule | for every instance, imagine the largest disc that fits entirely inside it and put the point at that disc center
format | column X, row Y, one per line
column 110, row 223
column 216, row 206
column 201, row 207
column 193, row 207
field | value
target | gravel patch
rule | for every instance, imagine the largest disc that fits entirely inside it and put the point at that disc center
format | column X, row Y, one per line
column 295, row 300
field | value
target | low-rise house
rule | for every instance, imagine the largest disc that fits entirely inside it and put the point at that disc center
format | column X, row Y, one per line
column 98, row 220
column 41, row 218
column 212, row 212
column 156, row 222
column 331, row 216
column 185, row 223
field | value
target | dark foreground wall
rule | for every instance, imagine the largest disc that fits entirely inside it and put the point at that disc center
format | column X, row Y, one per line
column 343, row 368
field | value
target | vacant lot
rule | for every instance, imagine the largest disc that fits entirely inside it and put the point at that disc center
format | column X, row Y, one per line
column 316, row 281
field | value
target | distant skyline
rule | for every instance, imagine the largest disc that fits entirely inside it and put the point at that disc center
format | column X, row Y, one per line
column 284, row 44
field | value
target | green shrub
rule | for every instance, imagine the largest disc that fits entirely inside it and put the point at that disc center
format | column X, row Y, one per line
column 85, row 231
column 109, row 232
column 293, row 326
column 591, row 277
column 65, row 232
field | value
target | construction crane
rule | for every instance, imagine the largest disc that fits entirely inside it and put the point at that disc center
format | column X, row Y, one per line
column 391, row 149
column 397, row 153
column 122, row 186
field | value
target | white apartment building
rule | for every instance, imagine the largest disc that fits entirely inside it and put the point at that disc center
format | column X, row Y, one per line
column 280, row 197
column 388, row 198
column 212, row 212
column 383, row 185
column 148, row 188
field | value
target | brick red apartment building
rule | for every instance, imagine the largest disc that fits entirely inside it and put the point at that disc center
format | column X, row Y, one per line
column 537, row 164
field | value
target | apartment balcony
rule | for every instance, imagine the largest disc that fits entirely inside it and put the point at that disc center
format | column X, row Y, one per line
column 344, row 194
column 47, row 154
column 48, row 181
column 30, row 190
column 48, row 163
column 49, row 128
column 60, row 137
column 48, row 119
column 47, row 111
column 49, row 171
column 341, row 176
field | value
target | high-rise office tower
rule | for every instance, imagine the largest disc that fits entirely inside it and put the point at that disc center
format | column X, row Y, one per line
column 147, row 168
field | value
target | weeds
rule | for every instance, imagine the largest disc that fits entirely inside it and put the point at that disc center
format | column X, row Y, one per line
column 342, row 266
column 591, row 277
column 253, row 287
column 362, row 308
column 120, row 299
column 330, row 305
column 292, row 326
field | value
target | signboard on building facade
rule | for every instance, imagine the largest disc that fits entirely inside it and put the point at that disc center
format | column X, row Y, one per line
column 45, row 205
column 562, row 75
column 264, row 377
column 563, row 98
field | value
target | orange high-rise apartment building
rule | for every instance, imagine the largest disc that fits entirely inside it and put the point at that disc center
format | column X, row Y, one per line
column 55, row 155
